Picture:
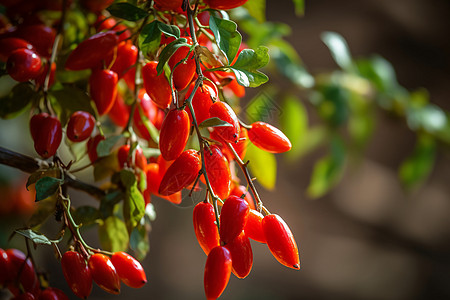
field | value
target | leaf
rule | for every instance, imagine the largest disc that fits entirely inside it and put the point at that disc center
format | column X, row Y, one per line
column 37, row 238
column 263, row 166
column 86, row 215
column 105, row 146
column 263, row 107
column 214, row 122
column 139, row 242
column 106, row 166
column 34, row 177
column 247, row 65
column 257, row 9
column 294, row 122
column 299, row 7
column 416, row 168
column 380, row 72
column 113, row 234
column 46, row 187
column 134, row 204
column 328, row 170
column 227, row 37
column 154, row 133
column 127, row 11
column 68, row 100
column 44, row 210
column 339, row 50
column 17, row 100
column 150, row 38
column 168, row 51
column 169, row 30
column 108, row 203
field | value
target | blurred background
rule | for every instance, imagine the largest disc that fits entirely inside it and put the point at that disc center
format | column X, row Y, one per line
column 366, row 239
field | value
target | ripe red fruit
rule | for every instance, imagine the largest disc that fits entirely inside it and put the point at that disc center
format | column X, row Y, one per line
column 4, row 266
column 40, row 36
column 140, row 160
column 52, row 293
column 24, row 296
column 174, row 134
column 23, row 65
column 239, row 190
column 224, row 4
column 119, row 112
column 181, row 173
column 253, row 228
column 126, row 57
column 103, row 89
column 233, row 216
column 77, row 274
column 92, row 147
column 202, row 100
column 240, row 146
column 205, row 227
column 268, row 138
column 154, row 177
column 241, row 255
column 129, row 270
column 183, row 73
column 217, row 272
column 104, row 273
column 10, row 44
column 21, row 272
column 96, row 5
column 157, row 86
column 218, row 171
column 46, row 133
column 280, row 241
column 174, row 5
column 80, row 126
column 224, row 112
column 149, row 110
column 90, row 53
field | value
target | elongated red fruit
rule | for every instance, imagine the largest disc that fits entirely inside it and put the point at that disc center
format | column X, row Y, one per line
column 268, row 138
column 126, row 57
column 52, row 293
column 24, row 296
column 125, row 160
column 104, row 273
column 10, row 44
column 224, row 112
column 23, row 65
column 184, row 72
column 233, row 216
column 92, row 147
column 202, row 100
column 217, row 272
column 241, row 191
column 218, row 171
column 129, row 270
column 174, row 134
column 4, row 265
column 157, row 86
column 90, row 53
column 119, row 112
column 103, row 89
column 46, row 133
column 205, row 227
column 253, row 228
column 80, row 126
column 146, row 109
column 21, row 273
column 241, row 255
column 281, row 241
column 224, row 4
column 154, row 177
column 181, row 173
column 77, row 274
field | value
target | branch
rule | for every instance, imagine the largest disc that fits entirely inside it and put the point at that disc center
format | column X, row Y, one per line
column 28, row 164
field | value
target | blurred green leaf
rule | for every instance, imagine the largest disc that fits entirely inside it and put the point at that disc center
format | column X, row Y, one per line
column 168, row 51
column 214, row 122
column 430, row 118
column 105, row 166
column 247, row 65
column 134, row 204
column 68, row 100
column 139, row 241
column 294, row 121
column 17, row 100
column 332, row 100
column 45, row 209
column 150, row 35
column 36, row 238
column 46, row 187
column 257, row 9
column 127, row 11
column 263, row 166
column 113, row 235
column 86, row 215
column 380, row 72
column 105, row 146
column 299, row 7
column 416, row 168
column 227, row 37
column 263, row 107
column 108, row 203
column 339, row 50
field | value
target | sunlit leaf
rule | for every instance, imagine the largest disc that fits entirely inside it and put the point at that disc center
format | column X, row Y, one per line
column 299, row 7
column 37, row 238
column 134, row 204
column 339, row 50
column 227, row 36
column 263, row 166
column 139, row 242
column 113, row 234
column 247, row 65
column 294, row 121
column 168, row 51
column 46, row 187
column 127, row 11
column 17, row 100
column 257, row 9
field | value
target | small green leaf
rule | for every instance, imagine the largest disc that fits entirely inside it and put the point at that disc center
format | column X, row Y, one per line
column 299, row 7
column 168, row 51
column 257, row 9
column 34, row 177
column 127, row 11
column 214, row 122
column 139, row 242
column 17, row 100
column 86, row 215
column 113, row 234
column 339, row 50
column 169, row 30
column 294, row 122
column 263, row 166
column 46, row 187
column 380, row 72
column 106, row 166
column 247, row 65
column 227, row 37
column 150, row 38
column 134, row 204
column 68, row 100
column 105, row 146
column 37, row 238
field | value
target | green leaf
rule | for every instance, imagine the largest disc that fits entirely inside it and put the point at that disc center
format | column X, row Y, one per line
column 86, row 215
column 263, row 107
column 227, row 37
column 294, row 122
column 328, row 170
column 214, row 122
column 108, row 203
column 17, row 100
column 169, row 30
column 105, row 146
column 139, row 242
column 263, row 166
column 37, row 238
column 416, row 168
column 299, row 7
column 134, row 204
column 127, row 11
column 34, row 177
column 113, row 234
column 68, row 100
column 339, row 50
column 257, row 9
column 106, row 166
column 380, row 72
column 149, row 38
column 168, row 51
column 247, row 65
column 46, row 187
column 154, row 133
